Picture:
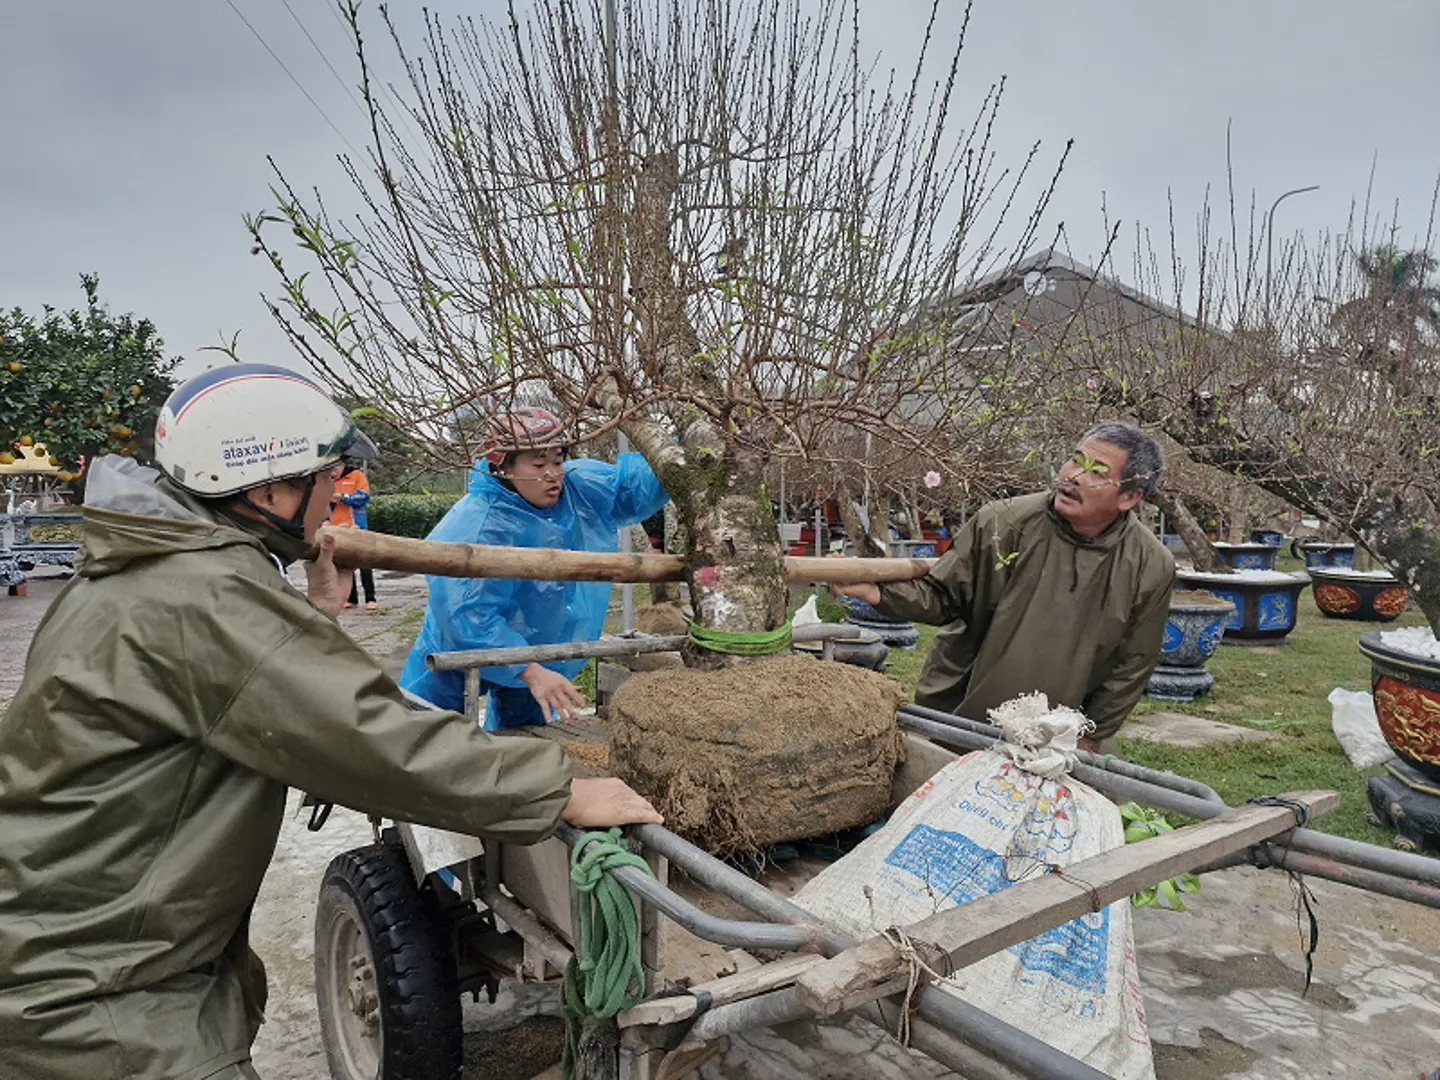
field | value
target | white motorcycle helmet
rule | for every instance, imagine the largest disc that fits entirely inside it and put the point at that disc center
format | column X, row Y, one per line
column 239, row 426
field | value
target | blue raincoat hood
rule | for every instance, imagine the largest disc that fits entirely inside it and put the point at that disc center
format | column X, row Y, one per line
column 598, row 499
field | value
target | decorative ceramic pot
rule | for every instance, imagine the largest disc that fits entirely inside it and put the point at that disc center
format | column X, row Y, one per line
column 1265, row 602
column 1353, row 594
column 1269, row 537
column 894, row 632
column 1248, row 556
column 1192, row 634
column 1322, row 555
column 1407, row 701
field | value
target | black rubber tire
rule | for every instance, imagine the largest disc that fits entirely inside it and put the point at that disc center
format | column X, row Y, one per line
column 414, row 966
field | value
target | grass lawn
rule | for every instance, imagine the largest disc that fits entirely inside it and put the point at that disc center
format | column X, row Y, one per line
column 1281, row 689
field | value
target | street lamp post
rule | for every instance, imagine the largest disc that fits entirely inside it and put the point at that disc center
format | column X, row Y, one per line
column 1270, row 239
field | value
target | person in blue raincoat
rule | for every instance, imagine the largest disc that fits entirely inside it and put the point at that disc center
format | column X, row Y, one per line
column 525, row 491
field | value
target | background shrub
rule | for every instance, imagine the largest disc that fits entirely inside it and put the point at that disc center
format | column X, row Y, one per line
column 409, row 515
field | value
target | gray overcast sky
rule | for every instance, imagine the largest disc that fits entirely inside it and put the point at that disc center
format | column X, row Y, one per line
column 136, row 130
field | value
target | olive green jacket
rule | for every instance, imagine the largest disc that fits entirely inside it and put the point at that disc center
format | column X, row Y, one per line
column 1027, row 604
column 174, row 690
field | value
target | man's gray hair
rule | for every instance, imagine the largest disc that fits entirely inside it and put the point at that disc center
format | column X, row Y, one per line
column 1144, row 460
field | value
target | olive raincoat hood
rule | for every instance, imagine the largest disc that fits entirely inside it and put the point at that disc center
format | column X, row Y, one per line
column 174, row 690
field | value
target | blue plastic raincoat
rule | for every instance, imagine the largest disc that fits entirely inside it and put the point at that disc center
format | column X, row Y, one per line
column 488, row 613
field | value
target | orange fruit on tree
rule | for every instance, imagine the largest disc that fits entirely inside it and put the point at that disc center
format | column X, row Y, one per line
column 14, row 367
column 7, row 459
column 26, row 440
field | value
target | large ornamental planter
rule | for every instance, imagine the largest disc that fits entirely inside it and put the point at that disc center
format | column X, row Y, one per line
column 1248, row 556
column 1192, row 634
column 1323, row 555
column 1266, row 602
column 1269, row 537
column 894, row 632
column 1364, row 595
column 1406, row 685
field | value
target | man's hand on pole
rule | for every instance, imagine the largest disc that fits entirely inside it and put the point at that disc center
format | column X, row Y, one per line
column 327, row 585
column 596, row 803
column 866, row 592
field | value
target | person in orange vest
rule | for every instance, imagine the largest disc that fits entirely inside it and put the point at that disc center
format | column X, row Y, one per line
column 352, row 494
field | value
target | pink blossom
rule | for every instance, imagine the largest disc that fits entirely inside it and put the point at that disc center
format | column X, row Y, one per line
column 932, row 479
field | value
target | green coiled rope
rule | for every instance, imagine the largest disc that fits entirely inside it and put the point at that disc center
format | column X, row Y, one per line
column 739, row 643
column 605, row 975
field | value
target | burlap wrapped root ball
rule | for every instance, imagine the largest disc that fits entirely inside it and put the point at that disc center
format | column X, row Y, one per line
column 761, row 752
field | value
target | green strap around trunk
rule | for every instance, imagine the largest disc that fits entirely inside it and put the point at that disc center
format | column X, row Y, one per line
column 737, row 643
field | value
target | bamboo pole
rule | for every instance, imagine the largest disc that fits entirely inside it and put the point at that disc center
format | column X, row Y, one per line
column 379, row 551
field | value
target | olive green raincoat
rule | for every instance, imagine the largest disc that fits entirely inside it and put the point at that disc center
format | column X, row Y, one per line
column 175, row 689
column 1030, row 605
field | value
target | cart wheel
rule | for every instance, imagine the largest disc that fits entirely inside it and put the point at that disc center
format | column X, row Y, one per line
column 385, row 982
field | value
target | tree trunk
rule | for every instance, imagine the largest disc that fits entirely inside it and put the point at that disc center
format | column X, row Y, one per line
column 737, row 576
column 1405, row 537
column 737, row 568
column 663, row 592
column 866, row 544
column 1202, row 553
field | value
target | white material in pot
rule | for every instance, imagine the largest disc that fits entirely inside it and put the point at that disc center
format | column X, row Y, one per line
column 1413, row 641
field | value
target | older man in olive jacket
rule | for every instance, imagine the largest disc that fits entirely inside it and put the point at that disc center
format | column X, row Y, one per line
column 1063, row 592
column 176, row 688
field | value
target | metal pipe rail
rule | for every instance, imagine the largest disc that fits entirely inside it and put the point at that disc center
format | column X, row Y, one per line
column 1014, row 1049
column 1175, row 782
column 624, row 647
column 794, row 937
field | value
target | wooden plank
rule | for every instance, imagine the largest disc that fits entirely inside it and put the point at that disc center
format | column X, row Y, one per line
column 380, row 551
column 970, row 932
column 742, row 984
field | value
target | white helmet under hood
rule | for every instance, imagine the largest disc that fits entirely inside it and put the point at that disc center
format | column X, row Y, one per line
column 243, row 425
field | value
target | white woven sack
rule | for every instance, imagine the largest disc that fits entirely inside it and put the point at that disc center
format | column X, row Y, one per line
column 980, row 825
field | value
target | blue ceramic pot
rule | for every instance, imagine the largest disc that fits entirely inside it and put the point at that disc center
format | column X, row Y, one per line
column 1322, row 555
column 893, row 632
column 1266, row 608
column 1248, row 556
column 1340, row 594
column 1192, row 634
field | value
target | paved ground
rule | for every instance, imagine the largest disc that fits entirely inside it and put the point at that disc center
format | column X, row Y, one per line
column 1222, row 983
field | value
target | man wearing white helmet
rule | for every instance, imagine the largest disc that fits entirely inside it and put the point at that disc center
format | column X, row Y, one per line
column 176, row 688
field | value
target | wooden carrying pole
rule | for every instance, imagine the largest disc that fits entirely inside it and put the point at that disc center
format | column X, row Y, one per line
column 380, row 551
column 970, row 932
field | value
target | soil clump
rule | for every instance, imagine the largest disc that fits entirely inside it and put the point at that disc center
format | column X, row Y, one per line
column 761, row 752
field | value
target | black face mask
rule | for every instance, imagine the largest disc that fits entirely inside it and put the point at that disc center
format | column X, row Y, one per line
column 295, row 526
column 285, row 537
